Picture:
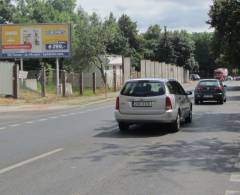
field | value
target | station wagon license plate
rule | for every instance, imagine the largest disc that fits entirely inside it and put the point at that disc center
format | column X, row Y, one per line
column 142, row 104
column 208, row 96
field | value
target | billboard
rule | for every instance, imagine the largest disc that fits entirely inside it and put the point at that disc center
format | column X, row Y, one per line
column 35, row 41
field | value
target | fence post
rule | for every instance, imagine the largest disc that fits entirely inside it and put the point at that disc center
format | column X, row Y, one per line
column 81, row 83
column 43, row 82
column 64, row 83
column 94, row 82
column 114, row 79
column 106, row 81
column 15, row 82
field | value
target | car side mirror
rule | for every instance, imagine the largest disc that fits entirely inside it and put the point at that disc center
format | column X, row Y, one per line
column 188, row 92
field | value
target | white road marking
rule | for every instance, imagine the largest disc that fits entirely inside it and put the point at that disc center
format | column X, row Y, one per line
column 7, row 169
column 55, row 117
column 235, row 178
column 73, row 113
column 29, row 122
column 14, row 125
column 42, row 119
column 232, row 193
column 52, row 117
column 64, row 115
column 237, row 165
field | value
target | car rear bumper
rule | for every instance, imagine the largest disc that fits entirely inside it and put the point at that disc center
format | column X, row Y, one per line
column 167, row 117
column 216, row 96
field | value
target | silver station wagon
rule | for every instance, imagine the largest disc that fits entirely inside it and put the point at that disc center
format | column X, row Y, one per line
column 153, row 101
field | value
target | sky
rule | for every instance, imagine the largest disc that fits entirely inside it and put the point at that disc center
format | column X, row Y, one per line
column 190, row 15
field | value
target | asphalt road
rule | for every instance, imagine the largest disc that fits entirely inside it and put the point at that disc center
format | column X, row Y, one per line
column 80, row 151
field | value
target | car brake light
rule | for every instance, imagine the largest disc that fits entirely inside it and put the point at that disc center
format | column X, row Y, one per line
column 117, row 103
column 199, row 88
column 168, row 103
column 219, row 88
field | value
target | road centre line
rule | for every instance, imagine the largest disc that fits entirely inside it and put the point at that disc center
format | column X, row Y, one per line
column 64, row 115
column 54, row 117
column 20, row 164
column 42, row 119
column 232, row 192
column 14, row 125
column 237, row 165
column 29, row 122
column 235, row 178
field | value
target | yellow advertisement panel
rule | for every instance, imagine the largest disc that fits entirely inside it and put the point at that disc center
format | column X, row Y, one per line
column 35, row 41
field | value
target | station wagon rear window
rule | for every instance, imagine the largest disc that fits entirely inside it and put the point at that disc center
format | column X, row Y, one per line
column 143, row 88
column 209, row 83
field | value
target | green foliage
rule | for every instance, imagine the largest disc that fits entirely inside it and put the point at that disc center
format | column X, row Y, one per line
column 94, row 38
column 225, row 18
column 6, row 9
column 203, row 53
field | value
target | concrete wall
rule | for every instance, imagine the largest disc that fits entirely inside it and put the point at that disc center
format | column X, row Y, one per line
column 151, row 69
column 6, row 78
column 127, row 69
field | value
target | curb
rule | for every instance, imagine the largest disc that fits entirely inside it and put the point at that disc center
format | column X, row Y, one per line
column 54, row 106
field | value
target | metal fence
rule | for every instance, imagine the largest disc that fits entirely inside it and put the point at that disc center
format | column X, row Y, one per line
column 43, row 82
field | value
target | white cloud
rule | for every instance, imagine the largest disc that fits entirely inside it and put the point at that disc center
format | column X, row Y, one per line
column 176, row 14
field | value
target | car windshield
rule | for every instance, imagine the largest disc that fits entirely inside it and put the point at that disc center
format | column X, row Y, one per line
column 209, row 83
column 143, row 88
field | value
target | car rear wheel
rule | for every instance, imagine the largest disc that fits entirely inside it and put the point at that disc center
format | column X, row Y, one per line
column 221, row 101
column 123, row 127
column 176, row 124
column 196, row 101
column 189, row 118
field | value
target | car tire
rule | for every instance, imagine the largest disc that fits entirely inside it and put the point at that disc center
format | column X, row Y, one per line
column 189, row 117
column 123, row 127
column 196, row 102
column 221, row 101
column 225, row 100
column 176, row 124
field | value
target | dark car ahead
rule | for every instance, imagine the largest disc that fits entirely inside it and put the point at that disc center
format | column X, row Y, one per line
column 194, row 77
column 210, row 90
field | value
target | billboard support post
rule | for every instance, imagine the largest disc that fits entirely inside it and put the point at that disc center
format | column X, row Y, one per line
column 57, row 75
column 21, row 68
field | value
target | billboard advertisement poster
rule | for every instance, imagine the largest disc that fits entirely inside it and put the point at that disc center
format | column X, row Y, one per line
column 35, row 41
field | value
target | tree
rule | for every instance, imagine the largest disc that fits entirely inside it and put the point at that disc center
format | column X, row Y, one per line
column 152, row 38
column 6, row 9
column 165, row 50
column 116, row 43
column 90, row 49
column 183, row 49
column 129, row 30
column 225, row 17
column 203, row 55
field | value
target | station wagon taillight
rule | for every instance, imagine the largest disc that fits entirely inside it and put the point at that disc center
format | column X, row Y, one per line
column 168, row 103
column 117, row 103
column 199, row 88
column 219, row 88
